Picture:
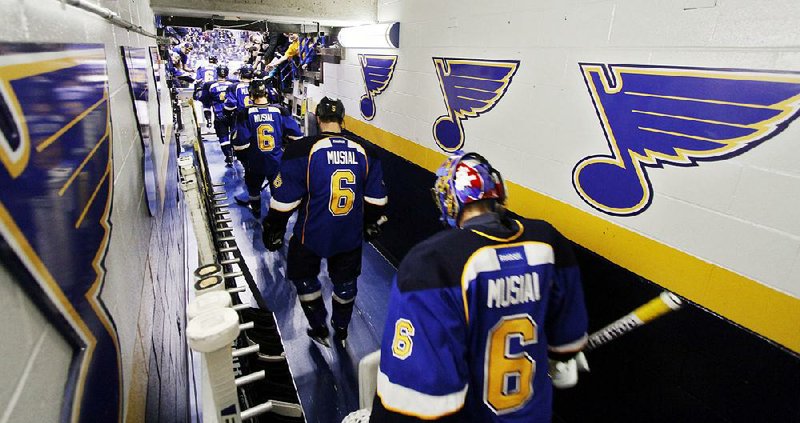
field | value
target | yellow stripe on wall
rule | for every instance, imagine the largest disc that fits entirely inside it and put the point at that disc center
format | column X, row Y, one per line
column 770, row 313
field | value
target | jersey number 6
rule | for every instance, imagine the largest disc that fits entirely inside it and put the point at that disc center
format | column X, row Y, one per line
column 507, row 384
column 341, row 196
column 266, row 141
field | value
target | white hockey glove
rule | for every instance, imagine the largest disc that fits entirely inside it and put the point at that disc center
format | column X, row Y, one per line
column 564, row 374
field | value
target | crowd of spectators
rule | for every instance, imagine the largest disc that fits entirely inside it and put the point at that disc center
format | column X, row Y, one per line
column 228, row 45
column 281, row 56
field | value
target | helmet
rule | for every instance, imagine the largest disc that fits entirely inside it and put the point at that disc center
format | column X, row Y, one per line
column 222, row 71
column 462, row 179
column 273, row 95
column 258, row 88
column 328, row 109
column 246, row 71
column 212, row 60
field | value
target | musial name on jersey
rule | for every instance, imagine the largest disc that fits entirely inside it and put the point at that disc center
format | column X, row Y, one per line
column 512, row 290
column 342, row 157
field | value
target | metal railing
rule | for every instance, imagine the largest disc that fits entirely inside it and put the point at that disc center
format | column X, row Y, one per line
column 215, row 320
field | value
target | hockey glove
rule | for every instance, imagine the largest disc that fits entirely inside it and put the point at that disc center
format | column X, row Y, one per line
column 373, row 230
column 564, row 374
column 272, row 236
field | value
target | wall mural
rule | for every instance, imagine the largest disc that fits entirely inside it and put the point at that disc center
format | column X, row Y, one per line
column 155, row 63
column 55, row 203
column 657, row 115
column 136, row 60
column 377, row 71
column 471, row 87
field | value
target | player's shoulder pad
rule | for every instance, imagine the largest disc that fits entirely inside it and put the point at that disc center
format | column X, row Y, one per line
column 301, row 147
column 283, row 110
column 542, row 231
column 369, row 147
column 436, row 262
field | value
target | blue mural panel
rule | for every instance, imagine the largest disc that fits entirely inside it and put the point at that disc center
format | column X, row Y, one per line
column 471, row 87
column 377, row 71
column 657, row 115
column 55, row 201
column 136, row 60
column 155, row 63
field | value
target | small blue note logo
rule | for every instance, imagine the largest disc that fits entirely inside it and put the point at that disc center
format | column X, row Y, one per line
column 377, row 71
column 471, row 88
column 654, row 116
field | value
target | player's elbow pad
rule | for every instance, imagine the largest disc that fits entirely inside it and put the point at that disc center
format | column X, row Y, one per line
column 277, row 219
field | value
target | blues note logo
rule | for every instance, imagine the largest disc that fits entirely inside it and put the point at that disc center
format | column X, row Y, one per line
column 471, row 88
column 654, row 116
column 377, row 71
column 14, row 152
column 55, row 202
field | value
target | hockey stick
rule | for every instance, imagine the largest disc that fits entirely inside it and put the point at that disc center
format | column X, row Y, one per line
column 665, row 303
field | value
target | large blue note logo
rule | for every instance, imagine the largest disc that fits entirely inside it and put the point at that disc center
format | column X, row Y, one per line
column 377, row 71
column 654, row 116
column 56, row 177
column 471, row 88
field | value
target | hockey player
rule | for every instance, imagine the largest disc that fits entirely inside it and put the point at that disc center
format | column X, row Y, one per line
column 336, row 182
column 476, row 311
column 205, row 74
column 237, row 101
column 215, row 92
column 266, row 124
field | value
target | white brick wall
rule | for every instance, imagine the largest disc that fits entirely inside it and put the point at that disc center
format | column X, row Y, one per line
column 740, row 214
column 35, row 357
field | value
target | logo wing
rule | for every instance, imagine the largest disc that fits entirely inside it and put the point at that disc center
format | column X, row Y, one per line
column 655, row 115
column 55, row 205
column 377, row 71
column 470, row 88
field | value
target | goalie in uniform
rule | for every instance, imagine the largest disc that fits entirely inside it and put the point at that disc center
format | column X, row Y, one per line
column 335, row 180
column 477, row 312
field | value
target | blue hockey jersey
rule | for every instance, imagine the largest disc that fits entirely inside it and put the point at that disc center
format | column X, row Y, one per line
column 206, row 74
column 238, row 101
column 471, row 317
column 267, row 125
column 329, row 177
column 216, row 92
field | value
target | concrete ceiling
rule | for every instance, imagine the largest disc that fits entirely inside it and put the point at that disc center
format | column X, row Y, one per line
column 326, row 12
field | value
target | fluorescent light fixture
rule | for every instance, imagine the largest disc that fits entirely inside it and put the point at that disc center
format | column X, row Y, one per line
column 384, row 35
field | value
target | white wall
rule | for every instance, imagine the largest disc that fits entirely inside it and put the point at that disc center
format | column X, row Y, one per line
column 739, row 214
column 36, row 362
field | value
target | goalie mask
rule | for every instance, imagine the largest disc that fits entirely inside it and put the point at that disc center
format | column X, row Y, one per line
column 465, row 178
